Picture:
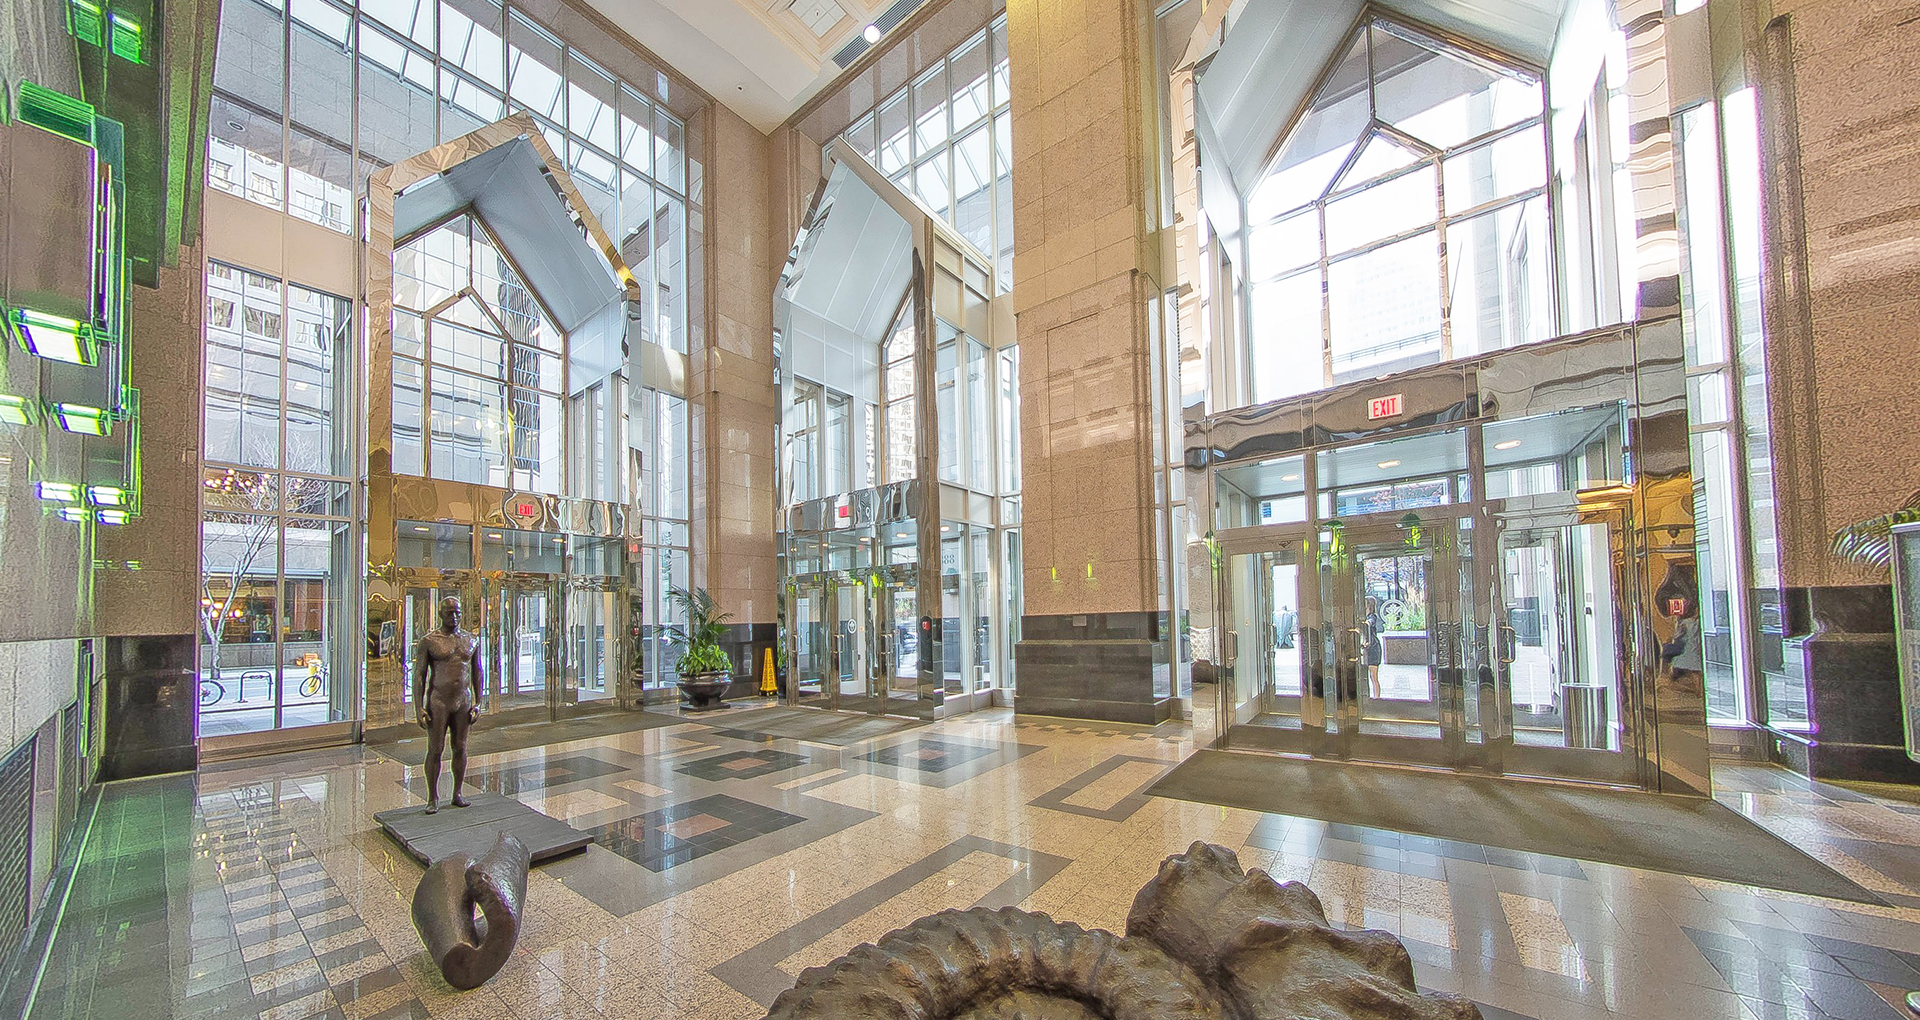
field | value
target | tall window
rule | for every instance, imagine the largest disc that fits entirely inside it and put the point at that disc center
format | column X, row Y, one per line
column 945, row 139
column 476, row 366
column 276, row 505
column 664, row 505
column 1405, row 221
column 897, row 392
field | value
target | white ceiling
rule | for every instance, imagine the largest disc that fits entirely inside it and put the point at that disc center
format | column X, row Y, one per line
column 762, row 59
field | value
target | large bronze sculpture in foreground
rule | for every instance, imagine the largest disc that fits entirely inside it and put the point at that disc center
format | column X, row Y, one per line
column 448, row 679
column 1204, row 941
column 469, row 951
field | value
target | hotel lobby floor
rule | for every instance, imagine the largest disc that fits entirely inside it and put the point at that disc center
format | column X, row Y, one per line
column 726, row 863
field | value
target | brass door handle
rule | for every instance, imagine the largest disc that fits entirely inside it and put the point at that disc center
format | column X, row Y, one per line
column 1358, row 637
column 1510, row 640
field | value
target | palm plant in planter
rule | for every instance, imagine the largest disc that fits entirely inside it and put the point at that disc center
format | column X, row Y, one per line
column 705, row 671
column 1869, row 543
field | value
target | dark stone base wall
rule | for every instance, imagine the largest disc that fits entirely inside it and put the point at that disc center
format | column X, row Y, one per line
column 1107, row 666
column 746, row 645
column 1853, row 687
column 152, row 709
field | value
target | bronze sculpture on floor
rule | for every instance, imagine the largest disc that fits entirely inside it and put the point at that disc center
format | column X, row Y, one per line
column 448, row 678
column 468, row 952
column 1204, row 941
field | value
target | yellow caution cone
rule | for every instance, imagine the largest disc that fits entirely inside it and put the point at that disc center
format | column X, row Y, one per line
column 767, row 686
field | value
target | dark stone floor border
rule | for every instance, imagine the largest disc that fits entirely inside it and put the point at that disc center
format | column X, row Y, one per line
column 755, row 974
column 1122, row 809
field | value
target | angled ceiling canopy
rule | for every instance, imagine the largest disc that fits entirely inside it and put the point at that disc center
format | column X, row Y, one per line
column 855, row 258
column 509, row 188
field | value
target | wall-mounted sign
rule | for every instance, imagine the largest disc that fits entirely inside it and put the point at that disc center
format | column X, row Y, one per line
column 1385, row 407
column 525, row 511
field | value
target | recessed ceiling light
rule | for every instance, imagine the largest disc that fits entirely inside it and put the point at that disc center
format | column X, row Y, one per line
column 1385, row 464
column 871, row 34
column 1289, row 478
column 419, row 527
column 1508, row 445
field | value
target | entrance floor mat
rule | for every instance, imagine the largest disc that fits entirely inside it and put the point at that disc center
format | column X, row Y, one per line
column 1679, row 835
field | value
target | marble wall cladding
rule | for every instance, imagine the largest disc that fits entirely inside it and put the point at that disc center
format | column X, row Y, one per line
column 1848, row 88
column 147, row 575
column 1080, row 295
column 46, row 563
column 37, row 680
column 1108, row 679
column 733, row 391
column 1853, row 690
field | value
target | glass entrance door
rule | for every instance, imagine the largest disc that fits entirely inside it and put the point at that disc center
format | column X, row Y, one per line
column 526, row 676
column 1276, row 658
column 1562, row 649
column 896, row 639
column 855, row 645
column 1397, row 599
column 1492, row 641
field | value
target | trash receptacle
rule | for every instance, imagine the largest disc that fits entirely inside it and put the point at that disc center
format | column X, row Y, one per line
column 1583, row 715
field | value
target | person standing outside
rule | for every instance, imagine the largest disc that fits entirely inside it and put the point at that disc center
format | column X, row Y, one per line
column 1370, row 628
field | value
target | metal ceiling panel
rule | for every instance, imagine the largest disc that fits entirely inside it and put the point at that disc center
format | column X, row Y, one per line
column 856, row 259
column 1518, row 28
column 507, row 188
column 1263, row 73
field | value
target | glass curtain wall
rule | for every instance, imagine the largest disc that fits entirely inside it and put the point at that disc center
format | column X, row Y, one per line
column 312, row 96
column 1405, row 221
column 278, row 545
column 476, row 366
column 376, row 82
column 1434, row 203
column 946, row 139
column 664, row 549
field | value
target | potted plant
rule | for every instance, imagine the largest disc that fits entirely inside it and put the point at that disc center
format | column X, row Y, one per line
column 705, row 671
column 1869, row 543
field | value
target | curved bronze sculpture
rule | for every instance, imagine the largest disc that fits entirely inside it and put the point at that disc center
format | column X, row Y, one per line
column 467, row 951
column 1205, row 941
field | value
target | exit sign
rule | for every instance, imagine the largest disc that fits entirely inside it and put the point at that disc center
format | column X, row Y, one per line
column 1384, row 407
column 526, row 509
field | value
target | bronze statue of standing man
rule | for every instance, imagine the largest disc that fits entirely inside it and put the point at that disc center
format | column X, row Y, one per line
column 448, row 678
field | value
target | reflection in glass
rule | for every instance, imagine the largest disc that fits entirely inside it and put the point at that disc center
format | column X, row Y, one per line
column 1403, row 133
column 1383, row 309
column 1499, row 273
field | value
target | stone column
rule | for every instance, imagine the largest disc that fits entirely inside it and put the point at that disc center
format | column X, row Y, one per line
column 733, row 398
column 1094, row 637
column 1837, row 97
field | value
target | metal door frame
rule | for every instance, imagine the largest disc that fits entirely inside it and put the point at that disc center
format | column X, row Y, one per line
column 1450, row 621
column 504, row 595
column 1629, row 766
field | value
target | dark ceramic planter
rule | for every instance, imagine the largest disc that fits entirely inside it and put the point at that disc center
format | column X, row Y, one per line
column 705, row 691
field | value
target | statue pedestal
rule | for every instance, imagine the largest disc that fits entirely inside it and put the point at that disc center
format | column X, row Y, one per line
column 472, row 829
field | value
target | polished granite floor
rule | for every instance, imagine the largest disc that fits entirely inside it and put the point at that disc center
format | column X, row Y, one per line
column 727, row 862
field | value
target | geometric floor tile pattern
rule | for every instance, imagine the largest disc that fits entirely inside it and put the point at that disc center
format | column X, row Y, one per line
column 683, row 832
column 725, row 864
